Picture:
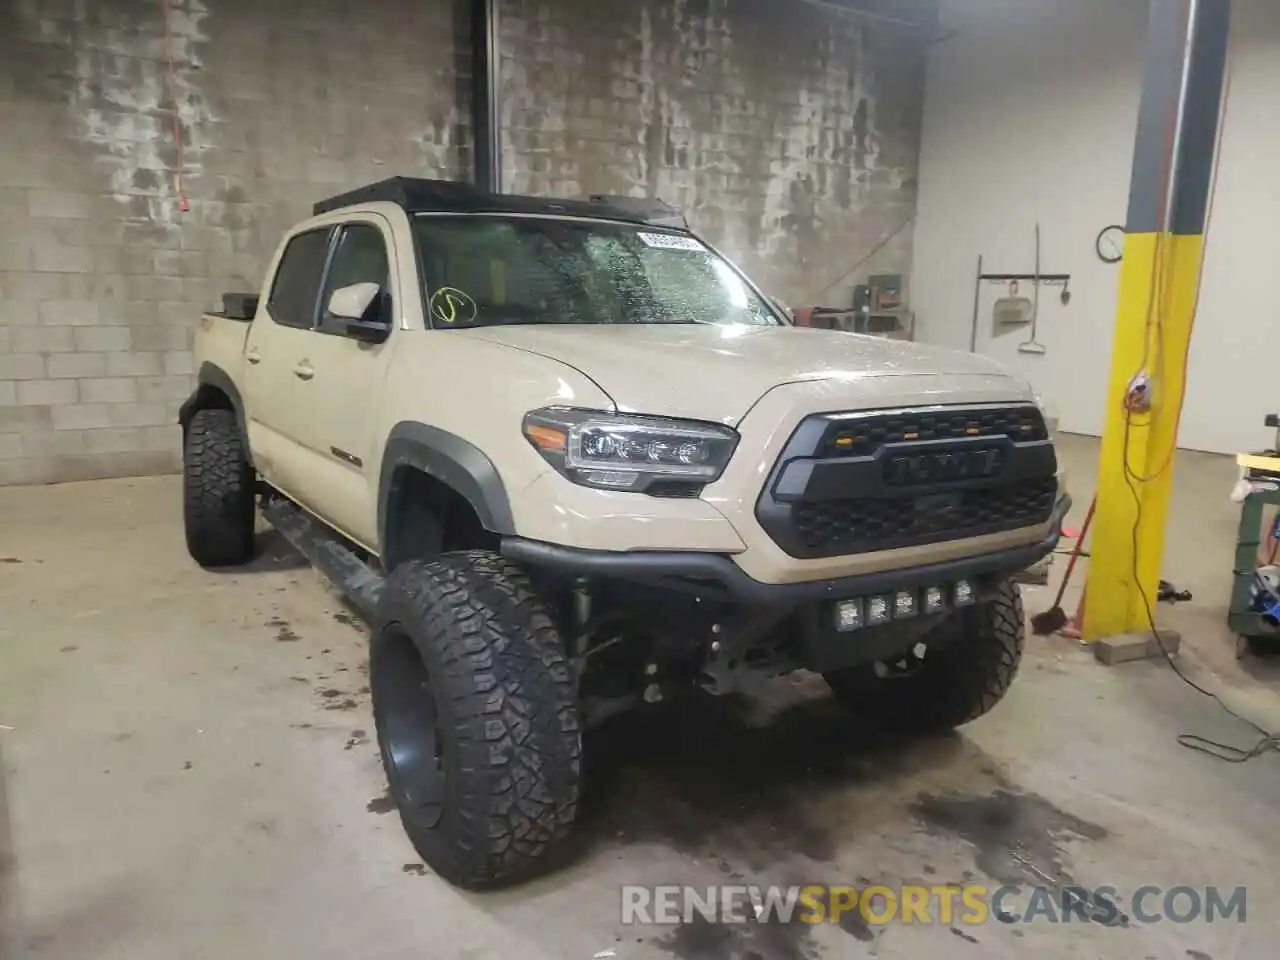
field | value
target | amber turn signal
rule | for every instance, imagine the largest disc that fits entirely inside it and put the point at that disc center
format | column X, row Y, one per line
column 545, row 438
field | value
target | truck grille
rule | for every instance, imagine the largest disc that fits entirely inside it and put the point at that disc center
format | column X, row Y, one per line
column 861, row 436
column 856, row 483
column 837, row 527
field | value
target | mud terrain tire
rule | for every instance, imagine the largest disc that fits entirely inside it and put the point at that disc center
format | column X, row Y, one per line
column 475, row 704
column 955, row 684
column 217, row 490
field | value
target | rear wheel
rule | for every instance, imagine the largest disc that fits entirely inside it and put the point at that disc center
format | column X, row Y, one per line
column 961, row 677
column 475, row 706
column 217, row 490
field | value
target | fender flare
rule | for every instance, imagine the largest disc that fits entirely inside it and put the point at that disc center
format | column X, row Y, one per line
column 452, row 460
column 212, row 375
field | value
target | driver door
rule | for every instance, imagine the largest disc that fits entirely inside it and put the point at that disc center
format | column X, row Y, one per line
column 342, row 398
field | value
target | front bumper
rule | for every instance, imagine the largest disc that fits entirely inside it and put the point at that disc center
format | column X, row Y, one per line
column 718, row 576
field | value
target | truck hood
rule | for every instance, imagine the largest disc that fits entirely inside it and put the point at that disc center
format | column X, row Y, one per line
column 708, row 372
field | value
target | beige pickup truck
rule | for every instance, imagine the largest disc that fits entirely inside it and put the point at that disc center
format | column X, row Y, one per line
column 568, row 459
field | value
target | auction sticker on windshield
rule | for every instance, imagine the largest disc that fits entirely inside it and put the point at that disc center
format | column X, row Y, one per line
column 671, row 241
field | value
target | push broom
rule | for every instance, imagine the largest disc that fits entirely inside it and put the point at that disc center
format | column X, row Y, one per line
column 1055, row 618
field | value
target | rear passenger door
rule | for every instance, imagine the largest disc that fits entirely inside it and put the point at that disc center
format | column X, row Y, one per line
column 342, row 397
column 277, row 367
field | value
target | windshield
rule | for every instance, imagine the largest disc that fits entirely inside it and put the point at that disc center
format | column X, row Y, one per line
column 482, row 270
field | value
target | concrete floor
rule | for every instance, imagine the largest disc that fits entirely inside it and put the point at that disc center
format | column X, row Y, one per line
column 189, row 773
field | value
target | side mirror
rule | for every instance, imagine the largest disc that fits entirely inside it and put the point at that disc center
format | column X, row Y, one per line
column 368, row 331
column 352, row 304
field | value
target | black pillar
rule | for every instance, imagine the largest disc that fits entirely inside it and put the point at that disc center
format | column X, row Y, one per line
column 486, row 132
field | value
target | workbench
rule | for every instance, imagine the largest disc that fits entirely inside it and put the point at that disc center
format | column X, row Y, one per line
column 1258, row 514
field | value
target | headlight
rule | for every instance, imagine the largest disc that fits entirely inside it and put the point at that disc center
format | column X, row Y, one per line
column 628, row 452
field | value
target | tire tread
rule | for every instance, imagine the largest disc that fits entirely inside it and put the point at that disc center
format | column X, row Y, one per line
column 512, row 703
column 218, row 490
column 956, row 685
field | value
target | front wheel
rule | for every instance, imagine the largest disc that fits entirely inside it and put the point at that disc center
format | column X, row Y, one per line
column 475, row 705
column 958, row 680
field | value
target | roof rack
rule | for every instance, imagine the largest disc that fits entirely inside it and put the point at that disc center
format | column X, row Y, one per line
column 648, row 209
column 408, row 192
column 417, row 195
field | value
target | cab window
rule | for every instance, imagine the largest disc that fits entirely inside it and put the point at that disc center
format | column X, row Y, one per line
column 360, row 257
column 293, row 291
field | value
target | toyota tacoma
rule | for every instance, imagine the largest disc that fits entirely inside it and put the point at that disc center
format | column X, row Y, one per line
column 568, row 459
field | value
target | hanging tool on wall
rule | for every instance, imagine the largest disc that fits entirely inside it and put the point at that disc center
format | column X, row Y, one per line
column 1013, row 311
column 1032, row 345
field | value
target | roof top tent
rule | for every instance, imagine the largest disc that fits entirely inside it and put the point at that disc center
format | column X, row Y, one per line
column 451, row 196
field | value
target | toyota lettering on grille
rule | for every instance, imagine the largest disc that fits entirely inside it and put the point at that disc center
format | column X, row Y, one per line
column 916, row 469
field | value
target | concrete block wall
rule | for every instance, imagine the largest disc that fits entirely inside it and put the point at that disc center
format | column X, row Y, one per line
column 155, row 150
column 788, row 134
column 112, row 239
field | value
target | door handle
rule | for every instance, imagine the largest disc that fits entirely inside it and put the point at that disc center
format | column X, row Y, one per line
column 303, row 370
column 253, row 356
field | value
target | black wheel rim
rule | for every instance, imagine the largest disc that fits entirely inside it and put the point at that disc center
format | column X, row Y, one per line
column 409, row 720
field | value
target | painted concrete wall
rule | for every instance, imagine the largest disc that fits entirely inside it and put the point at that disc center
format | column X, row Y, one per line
column 791, row 135
column 1030, row 113
column 102, row 273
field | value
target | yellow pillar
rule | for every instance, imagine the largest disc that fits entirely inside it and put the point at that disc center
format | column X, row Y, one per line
column 1174, row 154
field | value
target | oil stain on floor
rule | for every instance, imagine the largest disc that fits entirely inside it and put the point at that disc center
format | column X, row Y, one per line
column 284, row 633
column 703, row 940
column 763, row 804
column 702, row 779
column 804, row 799
column 347, row 620
column 695, row 778
column 1016, row 837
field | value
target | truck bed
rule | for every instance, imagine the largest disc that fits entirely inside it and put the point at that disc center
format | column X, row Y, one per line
column 220, row 340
